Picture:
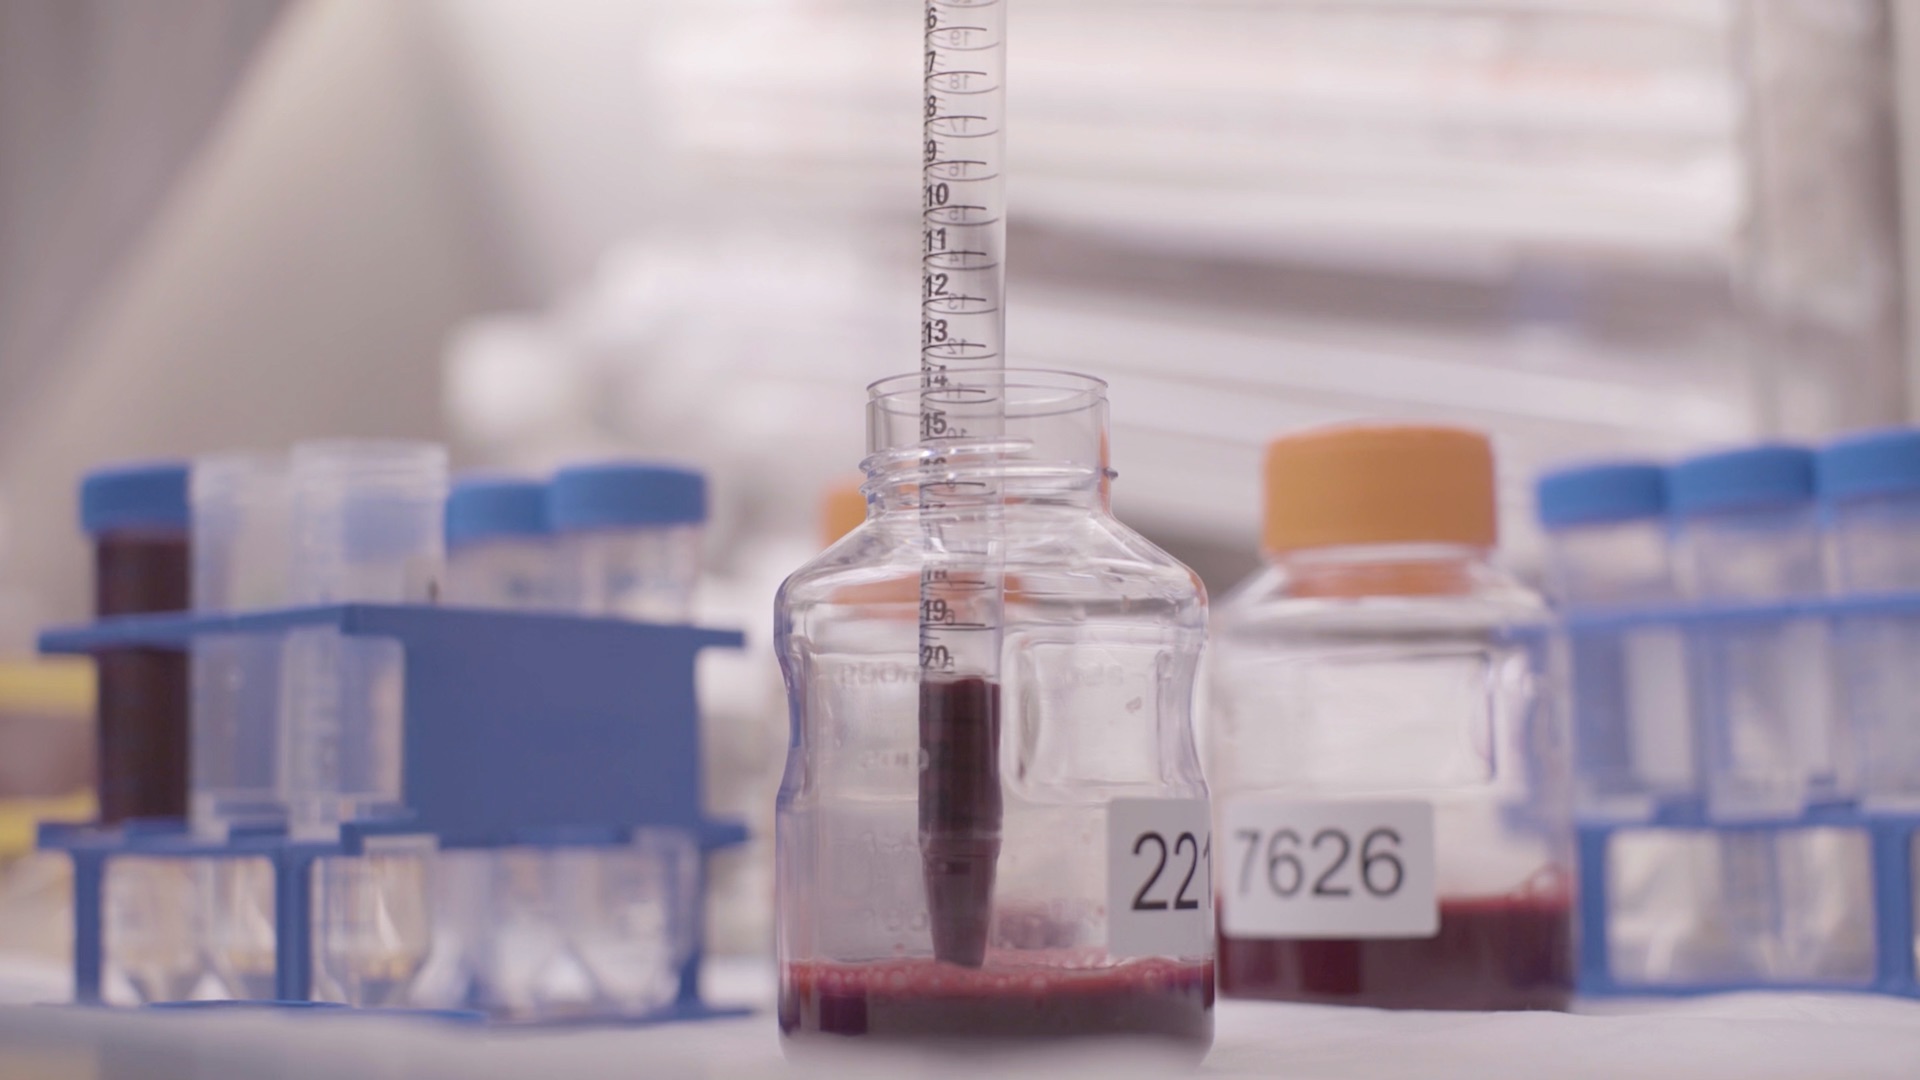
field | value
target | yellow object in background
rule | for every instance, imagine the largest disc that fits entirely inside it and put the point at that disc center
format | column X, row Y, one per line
column 842, row 510
column 46, row 747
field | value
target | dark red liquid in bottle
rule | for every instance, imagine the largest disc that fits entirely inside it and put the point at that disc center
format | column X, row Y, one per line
column 144, row 699
column 1503, row 954
column 925, row 1000
column 960, row 811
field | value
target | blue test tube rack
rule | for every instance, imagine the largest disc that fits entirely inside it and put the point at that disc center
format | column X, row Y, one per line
column 520, row 730
column 1889, row 894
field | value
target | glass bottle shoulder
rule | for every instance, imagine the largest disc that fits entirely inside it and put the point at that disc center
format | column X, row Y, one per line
column 1052, row 556
column 1382, row 597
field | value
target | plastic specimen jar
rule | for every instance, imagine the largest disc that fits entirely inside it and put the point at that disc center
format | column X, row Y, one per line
column 1075, row 771
column 499, row 548
column 1870, row 485
column 239, row 564
column 628, row 536
column 137, row 518
column 1382, row 767
column 1608, row 552
column 367, row 526
column 1749, row 533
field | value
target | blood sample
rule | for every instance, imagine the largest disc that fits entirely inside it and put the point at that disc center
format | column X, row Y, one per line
column 137, row 516
column 1006, row 999
column 1507, row 954
column 935, row 881
column 960, row 811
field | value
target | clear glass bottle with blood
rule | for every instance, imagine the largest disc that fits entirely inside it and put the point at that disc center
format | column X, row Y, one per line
column 1384, row 781
column 1081, row 907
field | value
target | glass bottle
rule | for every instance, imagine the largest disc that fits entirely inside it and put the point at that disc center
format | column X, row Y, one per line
column 1099, row 916
column 1377, row 753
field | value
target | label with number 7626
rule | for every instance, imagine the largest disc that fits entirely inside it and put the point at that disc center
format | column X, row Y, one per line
column 1361, row 869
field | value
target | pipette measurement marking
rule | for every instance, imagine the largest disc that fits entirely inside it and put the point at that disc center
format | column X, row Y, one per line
column 962, row 319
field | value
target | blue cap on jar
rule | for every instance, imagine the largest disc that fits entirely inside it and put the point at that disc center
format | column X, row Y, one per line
column 143, row 495
column 1757, row 476
column 1601, row 494
column 1871, row 463
column 625, row 495
column 496, row 508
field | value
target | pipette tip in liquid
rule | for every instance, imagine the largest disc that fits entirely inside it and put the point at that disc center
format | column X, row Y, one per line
column 960, row 811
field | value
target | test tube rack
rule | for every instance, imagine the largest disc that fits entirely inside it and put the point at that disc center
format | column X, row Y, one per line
column 520, row 730
column 1876, row 876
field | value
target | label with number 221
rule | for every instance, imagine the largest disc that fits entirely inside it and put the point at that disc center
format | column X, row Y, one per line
column 1328, row 870
column 1159, row 877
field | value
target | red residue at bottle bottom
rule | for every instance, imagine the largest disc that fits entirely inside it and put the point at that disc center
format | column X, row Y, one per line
column 1021, row 1000
column 1499, row 954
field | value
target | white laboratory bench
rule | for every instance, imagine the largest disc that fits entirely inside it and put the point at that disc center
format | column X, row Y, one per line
column 1740, row 1037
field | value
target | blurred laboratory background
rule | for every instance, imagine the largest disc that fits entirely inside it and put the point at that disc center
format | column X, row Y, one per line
column 687, row 230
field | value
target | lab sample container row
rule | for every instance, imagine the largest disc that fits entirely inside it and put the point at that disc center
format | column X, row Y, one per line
column 1737, row 632
column 259, row 743
column 1742, row 629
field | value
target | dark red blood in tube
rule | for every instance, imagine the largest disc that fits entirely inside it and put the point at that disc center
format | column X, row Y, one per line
column 143, row 693
column 960, row 809
column 1506, row 954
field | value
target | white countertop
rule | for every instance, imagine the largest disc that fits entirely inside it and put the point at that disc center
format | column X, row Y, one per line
column 1740, row 1037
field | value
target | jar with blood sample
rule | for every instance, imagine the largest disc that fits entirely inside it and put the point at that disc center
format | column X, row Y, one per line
column 993, row 823
column 1385, row 778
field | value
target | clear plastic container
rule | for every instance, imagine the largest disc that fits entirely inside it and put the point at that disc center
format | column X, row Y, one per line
column 1771, row 732
column 573, row 931
column 629, row 537
column 137, row 517
column 1748, row 531
column 496, row 942
column 500, row 552
column 239, row 564
column 1608, row 550
column 1096, row 903
column 1756, row 904
column 368, row 526
column 1870, row 484
column 1384, row 770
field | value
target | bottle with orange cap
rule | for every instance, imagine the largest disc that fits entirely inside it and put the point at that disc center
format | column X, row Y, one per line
column 1374, row 731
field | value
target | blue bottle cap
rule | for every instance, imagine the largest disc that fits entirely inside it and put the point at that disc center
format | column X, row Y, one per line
column 1774, row 474
column 142, row 495
column 495, row 508
column 1602, row 493
column 625, row 494
column 1885, row 462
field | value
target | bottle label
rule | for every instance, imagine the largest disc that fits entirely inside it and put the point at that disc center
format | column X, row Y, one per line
column 1159, row 877
column 1328, row 870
